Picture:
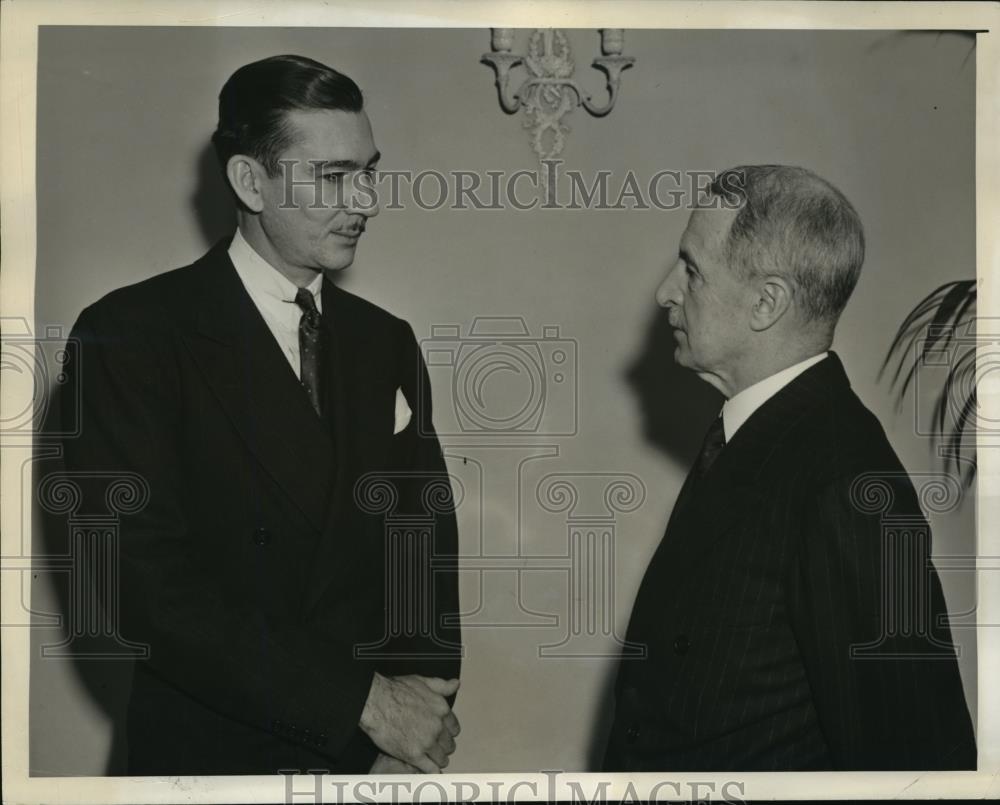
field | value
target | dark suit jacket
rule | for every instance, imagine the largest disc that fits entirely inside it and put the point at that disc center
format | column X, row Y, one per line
column 796, row 546
column 253, row 572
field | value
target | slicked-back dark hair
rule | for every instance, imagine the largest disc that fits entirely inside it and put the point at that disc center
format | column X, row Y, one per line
column 254, row 102
column 799, row 225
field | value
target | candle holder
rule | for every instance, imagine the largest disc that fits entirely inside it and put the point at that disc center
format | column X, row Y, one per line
column 549, row 92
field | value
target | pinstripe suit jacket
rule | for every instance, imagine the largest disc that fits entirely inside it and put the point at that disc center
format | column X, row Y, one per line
column 774, row 633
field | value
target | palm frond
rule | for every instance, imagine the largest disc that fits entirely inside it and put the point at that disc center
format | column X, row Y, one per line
column 912, row 328
column 955, row 441
column 941, row 323
column 933, row 318
column 955, row 375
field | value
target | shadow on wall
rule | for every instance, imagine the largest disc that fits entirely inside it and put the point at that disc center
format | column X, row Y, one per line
column 212, row 201
column 677, row 408
column 98, row 663
column 106, row 680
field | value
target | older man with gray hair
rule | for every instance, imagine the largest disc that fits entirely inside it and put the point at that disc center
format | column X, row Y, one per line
column 784, row 628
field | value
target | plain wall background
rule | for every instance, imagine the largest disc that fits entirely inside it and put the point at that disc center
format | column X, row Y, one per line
column 128, row 189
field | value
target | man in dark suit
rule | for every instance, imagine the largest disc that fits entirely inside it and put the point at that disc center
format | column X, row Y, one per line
column 269, row 415
column 791, row 616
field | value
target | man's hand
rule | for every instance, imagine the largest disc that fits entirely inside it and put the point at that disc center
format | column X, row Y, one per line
column 407, row 717
column 387, row 764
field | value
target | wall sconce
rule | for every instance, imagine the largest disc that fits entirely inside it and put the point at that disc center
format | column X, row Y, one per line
column 549, row 92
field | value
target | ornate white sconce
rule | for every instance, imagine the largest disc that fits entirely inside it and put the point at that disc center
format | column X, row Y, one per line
column 549, row 92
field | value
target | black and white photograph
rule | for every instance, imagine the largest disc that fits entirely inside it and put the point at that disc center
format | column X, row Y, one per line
column 400, row 407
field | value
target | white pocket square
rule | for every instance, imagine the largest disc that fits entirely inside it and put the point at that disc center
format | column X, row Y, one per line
column 403, row 413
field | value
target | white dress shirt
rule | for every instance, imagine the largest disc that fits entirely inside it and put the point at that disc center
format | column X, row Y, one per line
column 738, row 408
column 274, row 296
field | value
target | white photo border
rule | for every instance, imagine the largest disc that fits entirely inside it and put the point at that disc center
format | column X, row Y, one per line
column 19, row 48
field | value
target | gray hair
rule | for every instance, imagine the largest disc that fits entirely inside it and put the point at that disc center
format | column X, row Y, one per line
column 802, row 226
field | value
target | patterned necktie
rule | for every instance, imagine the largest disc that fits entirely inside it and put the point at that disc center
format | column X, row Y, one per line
column 310, row 349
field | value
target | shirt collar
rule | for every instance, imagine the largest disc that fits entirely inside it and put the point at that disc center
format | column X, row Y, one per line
column 738, row 408
column 263, row 279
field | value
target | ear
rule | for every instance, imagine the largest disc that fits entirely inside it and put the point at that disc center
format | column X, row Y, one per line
column 773, row 299
column 245, row 175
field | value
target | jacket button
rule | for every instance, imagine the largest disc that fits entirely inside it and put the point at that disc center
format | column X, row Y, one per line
column 261, row 536
column 681, row 644
column 632, row 734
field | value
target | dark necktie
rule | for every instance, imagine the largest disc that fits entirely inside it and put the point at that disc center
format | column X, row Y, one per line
column 715, row 440
column 310, row 349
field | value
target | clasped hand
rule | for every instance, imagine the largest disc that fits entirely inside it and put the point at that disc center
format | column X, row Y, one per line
column 409, row 718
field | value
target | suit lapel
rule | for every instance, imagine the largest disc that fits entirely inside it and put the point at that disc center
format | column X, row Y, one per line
column 245, row 368
column 732, row 486
column 360, row 436
column 338, row 367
